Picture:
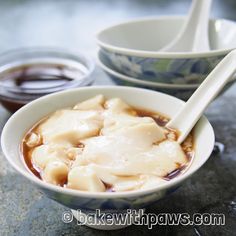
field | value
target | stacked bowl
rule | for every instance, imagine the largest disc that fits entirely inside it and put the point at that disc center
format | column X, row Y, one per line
column 129, row 54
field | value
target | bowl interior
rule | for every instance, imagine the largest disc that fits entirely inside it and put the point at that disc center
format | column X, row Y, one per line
column 27, row 116
column 153, row 34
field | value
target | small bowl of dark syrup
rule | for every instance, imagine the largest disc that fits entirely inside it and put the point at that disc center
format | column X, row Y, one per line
column 27, row 74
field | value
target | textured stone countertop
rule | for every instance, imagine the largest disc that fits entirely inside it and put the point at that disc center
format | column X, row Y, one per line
column 23, row 210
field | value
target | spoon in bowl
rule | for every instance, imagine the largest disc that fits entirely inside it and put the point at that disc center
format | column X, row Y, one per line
column 193, row 37
column 190, row 113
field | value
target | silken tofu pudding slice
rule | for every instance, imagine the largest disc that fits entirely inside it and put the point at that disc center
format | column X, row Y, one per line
column 105, row 145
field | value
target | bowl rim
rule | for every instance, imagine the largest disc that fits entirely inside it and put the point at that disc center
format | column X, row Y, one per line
column 50, row 49
column 98, row 195
column 152, row 54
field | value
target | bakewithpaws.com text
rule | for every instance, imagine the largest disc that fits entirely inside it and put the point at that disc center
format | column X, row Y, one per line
column 138, row 217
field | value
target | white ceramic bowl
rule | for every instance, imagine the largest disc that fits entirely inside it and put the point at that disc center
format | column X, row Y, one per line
column 21, row 121
column 132, row 48
column 181, row 91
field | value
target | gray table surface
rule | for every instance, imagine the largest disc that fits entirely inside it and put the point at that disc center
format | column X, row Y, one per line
column 72, row 24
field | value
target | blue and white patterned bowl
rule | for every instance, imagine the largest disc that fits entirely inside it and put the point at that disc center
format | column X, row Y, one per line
column 181, row 91
column 132, row 49
column 21, row 121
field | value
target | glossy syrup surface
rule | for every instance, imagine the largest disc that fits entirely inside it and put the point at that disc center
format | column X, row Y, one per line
column 22, row 84
column 38, row 76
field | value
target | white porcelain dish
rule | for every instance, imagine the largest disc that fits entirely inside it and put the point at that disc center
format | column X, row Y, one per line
column 181, row 91
column 132, row 48
column 21, row 121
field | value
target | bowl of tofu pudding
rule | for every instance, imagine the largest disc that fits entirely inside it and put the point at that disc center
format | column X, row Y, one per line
column 104, row 148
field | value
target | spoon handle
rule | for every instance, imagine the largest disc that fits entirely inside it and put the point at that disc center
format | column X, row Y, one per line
column 188, row 116
column 194, row 34
column 198, row 25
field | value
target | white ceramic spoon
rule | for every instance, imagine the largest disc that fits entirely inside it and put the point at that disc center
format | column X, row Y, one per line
column 188, row 116
column 193, row 37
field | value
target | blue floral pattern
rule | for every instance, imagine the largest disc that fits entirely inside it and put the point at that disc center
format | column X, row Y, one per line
column 107, row 204
column 174, row 71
